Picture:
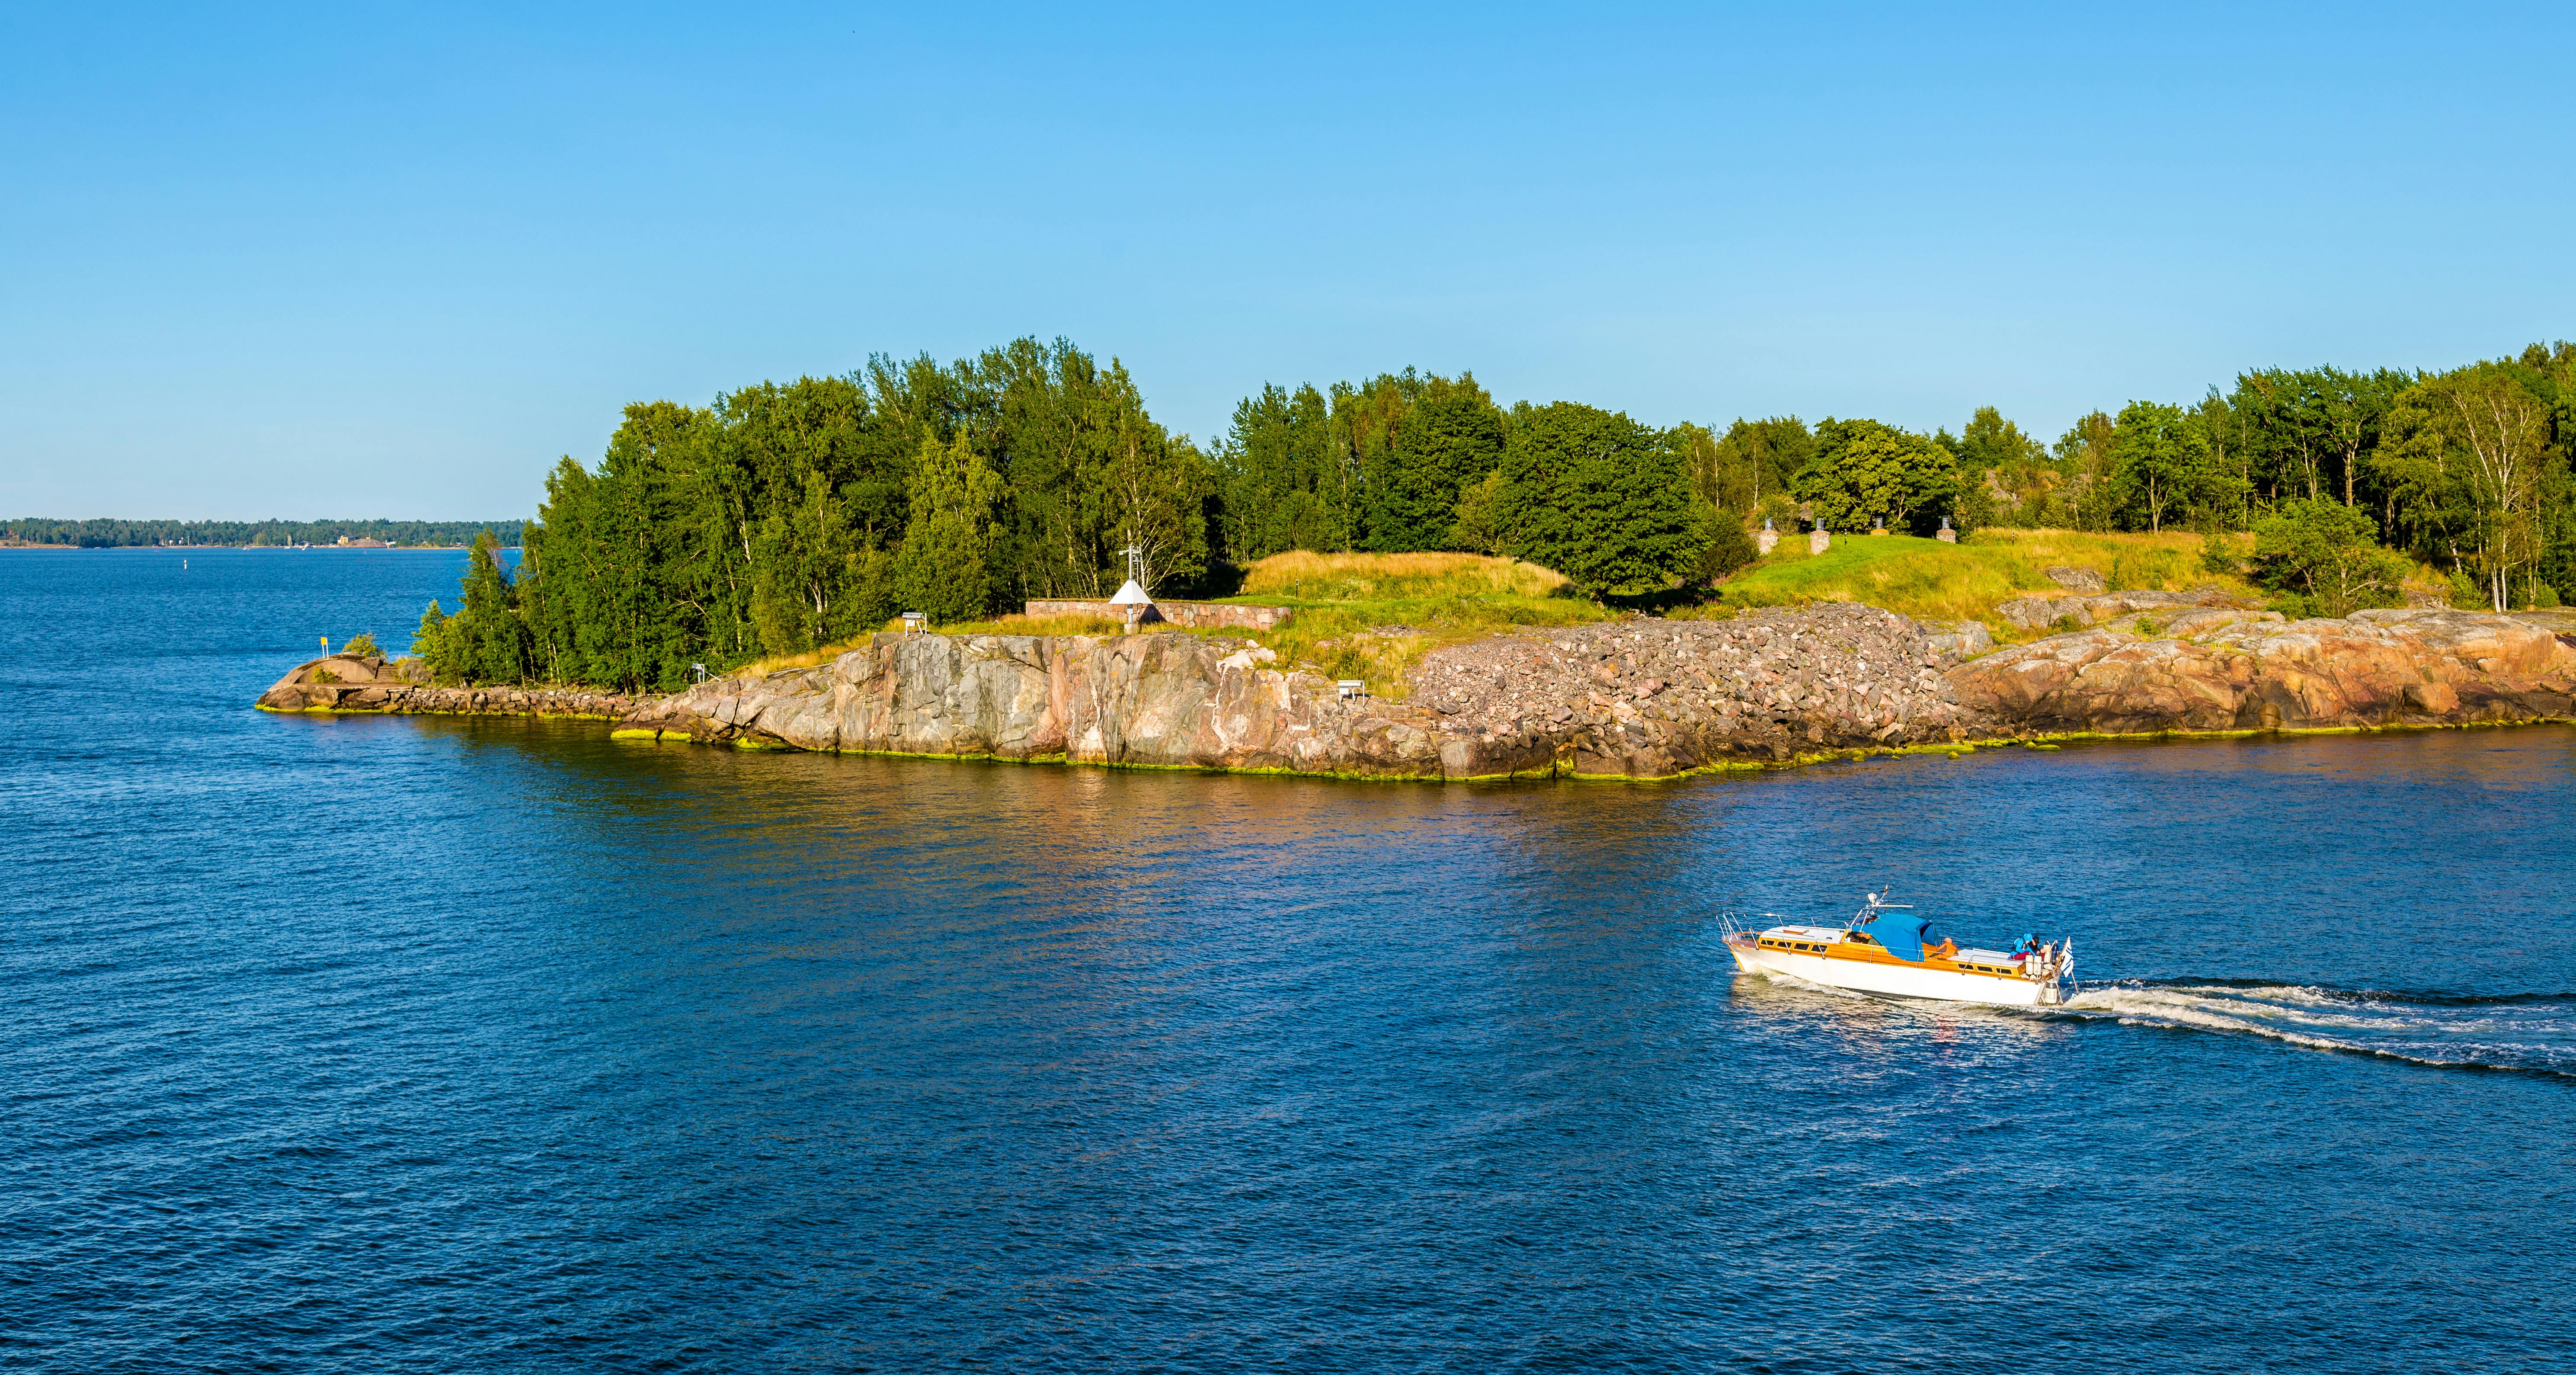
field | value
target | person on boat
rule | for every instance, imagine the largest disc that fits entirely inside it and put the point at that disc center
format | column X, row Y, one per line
column 1944, row 950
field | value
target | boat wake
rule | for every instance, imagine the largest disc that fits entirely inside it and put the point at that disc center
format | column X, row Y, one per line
column 2526, row 1033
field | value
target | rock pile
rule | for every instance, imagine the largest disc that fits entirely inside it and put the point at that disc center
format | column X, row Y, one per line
column 1654, row 698
column 346, row 683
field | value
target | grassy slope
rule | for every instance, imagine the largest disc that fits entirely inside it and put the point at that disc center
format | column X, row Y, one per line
column 1443, row 599
column 1343, row 600
column 1932, row 581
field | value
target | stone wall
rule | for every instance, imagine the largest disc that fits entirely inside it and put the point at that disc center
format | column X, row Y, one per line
column 1196, row 615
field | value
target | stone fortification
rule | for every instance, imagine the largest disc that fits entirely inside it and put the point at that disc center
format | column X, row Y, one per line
column 1197, row 615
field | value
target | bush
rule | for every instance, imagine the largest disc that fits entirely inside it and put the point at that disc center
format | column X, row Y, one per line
column 363, row 646
column 1730, row 545
column 2466, row 595
column 2218, row 552
column 2327, row 552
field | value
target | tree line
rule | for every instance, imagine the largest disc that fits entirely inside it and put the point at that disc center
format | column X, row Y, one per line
column 122, row 534
column 783, row 517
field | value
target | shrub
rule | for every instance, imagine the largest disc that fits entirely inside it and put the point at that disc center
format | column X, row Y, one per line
column 363, row 646
column 2327, row 553
column 2218, row 553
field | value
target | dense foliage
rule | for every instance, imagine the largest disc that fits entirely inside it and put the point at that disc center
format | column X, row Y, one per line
column 117, row 534
column 789, row 516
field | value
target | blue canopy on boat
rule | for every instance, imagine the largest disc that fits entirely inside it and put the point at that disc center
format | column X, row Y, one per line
column 1902, row 934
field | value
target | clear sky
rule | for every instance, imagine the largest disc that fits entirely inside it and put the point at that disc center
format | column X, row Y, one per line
column 350, row 261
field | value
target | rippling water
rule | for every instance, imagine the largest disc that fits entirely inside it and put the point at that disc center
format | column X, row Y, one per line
column 355, row 1044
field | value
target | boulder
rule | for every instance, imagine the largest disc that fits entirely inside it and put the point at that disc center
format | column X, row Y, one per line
column 1962, row 639
column 2083, row 580
column 2041, row 612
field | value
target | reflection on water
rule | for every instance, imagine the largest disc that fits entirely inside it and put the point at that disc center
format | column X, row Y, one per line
column 357, row 1044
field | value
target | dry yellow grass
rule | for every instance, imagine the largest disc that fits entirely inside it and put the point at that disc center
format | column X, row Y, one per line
column 1302, row 576
column 1019, row 623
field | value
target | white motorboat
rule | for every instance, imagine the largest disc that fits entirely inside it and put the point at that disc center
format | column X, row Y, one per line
column 1879, row 951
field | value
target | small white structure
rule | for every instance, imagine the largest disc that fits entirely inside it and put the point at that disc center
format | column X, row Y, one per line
column 1132, row 603
column 916, row 622
column 1946, row 535
column 1818, row 541
column 1352, row 687
column 1766, row 538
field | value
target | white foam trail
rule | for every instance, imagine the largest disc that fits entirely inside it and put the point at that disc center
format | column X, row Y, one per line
column 2537, row 1035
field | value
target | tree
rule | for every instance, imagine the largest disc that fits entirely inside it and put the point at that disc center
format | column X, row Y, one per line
column 1863, row 471
column 1448, row 437
column 805, row 570
column 2469, row 460
column 1600, row 498
column 1751, row 464
column 1479, row 525
column 2326, row 552
column 942, row 568
column 485, row 641
column 1283, row 484
column 2160, row 463
column 2083, row 456
column 2003, row 473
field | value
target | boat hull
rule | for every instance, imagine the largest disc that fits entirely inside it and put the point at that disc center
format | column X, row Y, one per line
column 1895, row 980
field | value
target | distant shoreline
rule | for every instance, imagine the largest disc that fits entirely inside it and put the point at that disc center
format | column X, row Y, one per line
column 283, row 548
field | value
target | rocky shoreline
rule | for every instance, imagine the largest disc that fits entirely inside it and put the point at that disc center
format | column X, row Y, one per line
column 1635, row 699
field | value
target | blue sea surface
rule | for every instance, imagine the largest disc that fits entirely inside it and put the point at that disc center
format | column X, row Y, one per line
column 347, row 1044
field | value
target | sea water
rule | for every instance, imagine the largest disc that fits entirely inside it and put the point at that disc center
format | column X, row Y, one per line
column 366, row 1044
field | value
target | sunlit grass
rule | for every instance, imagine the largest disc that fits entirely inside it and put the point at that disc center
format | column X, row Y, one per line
column 1930, row 580
column 1299, row 577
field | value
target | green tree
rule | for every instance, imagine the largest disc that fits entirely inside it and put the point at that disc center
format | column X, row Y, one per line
column 1863, row 471
column 485, row 642
column 1750, row 467
column 1478, row 528
column 1283, row 482
column 2002, row 471
column 2160, row 464
column 805, row 569
column 1446, row 439
column 2474, row 474
column 942, row 567
column 1600, row 498
column 2325, row 553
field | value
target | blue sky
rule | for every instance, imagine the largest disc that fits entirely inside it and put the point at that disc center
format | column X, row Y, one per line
column 358, row 262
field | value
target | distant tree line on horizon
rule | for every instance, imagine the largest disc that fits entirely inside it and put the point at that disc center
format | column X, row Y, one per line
column 788, row 516
column 126, row 534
